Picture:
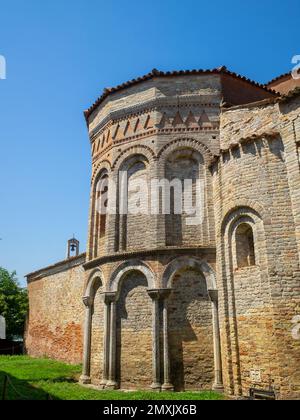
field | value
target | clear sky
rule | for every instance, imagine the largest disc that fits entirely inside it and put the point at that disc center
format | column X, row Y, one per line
column 61, row 54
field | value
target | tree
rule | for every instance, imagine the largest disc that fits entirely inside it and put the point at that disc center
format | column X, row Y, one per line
column 13, row 303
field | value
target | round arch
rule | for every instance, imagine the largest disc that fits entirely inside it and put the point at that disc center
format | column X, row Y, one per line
column 127, row 267
column 186, row 143
column 103, row 165
column 235, row 218
column 189, row 262
column 95, row 279
column 145, row 151
column 239, row 209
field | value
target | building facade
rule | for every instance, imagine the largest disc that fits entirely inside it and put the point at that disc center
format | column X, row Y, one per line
column 170, row 305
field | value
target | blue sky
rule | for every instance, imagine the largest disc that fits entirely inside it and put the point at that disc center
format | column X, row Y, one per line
column 61, row 54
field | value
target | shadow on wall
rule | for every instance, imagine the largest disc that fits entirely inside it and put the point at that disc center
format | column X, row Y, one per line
column 275, row 145
column 134, row 332
column 191, row 337
column 190, row 333
column 183, row 164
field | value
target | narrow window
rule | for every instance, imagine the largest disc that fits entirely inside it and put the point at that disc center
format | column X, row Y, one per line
column 245, row 252
column 103, row 191
column 100, row 205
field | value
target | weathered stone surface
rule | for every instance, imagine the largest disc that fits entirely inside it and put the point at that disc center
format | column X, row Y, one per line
column 245, row 254
column 190, row 332
column 56, row 314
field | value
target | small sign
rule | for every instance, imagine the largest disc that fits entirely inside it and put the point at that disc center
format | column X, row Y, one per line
column 255, row 376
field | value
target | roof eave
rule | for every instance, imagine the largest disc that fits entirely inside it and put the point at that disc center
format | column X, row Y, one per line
column 157, row 73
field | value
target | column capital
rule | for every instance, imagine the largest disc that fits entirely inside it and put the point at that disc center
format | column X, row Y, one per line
column 153, row 293
column 156, row 294
column 87, row 301
column 165, row 293
column 213, row 295
column 109, row 297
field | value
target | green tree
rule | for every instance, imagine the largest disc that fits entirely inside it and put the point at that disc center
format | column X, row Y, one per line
column 13, row 303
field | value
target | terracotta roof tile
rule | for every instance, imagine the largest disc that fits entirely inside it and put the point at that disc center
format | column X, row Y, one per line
column 279, row 99
column 292, row 94
column 276, row 79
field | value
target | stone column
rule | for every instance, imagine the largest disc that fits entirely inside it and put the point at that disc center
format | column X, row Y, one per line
column 218, row 384
column 112, row 383
column 106, row 333
column 167, row 386
column 86, row 370
column 156, row 384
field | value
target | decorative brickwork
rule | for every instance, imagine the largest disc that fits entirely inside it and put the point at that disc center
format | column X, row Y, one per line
column 168, row 305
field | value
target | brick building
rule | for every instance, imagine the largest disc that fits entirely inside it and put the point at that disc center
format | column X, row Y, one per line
column 168, row 305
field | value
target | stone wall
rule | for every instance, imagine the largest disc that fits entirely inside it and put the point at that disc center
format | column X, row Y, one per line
column 56, row 312
column 190, row 332
column 246, row 251
column 255, row 182
column 97, row 337
column 151, row 126
column 134, row 333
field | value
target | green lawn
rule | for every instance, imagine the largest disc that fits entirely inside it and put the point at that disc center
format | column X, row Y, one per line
column 37, row 379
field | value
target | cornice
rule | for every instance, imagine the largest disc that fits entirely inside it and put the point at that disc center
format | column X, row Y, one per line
column 151, row 133
column 155, row 105
column 146, row 253
column 243, row 140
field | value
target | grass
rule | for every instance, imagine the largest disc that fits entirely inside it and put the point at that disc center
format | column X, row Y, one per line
column 36, row 379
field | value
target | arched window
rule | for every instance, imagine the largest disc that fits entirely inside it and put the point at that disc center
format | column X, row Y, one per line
column 127, row 234
column 100, row 206
column 103, row 191
column 181, row 165
column 245, row 252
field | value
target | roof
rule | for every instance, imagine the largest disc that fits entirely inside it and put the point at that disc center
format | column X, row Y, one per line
column 69, row 262
column 276, row 79
column 156, row 73
column 269, row 101
column 292, row 94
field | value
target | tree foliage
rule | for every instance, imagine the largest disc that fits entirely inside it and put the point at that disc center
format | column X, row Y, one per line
column 13, row 304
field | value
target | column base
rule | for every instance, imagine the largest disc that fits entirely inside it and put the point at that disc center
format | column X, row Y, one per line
column 167, row 387
column 85, row 380
column 111, row 385
column 156, row 387
column 103, row 384
column 218, row 388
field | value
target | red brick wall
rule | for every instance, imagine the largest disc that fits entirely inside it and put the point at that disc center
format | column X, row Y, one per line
column 56, row 316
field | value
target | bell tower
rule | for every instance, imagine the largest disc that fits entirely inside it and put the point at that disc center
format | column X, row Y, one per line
column 72, row 248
